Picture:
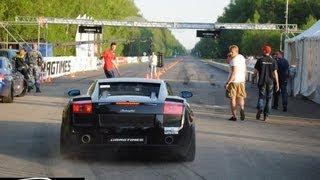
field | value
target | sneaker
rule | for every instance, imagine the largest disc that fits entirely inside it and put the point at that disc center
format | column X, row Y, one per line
column 265, row 116
column 285, row 109
column 242, row 115
column 38, row 90
column 232, row 119
column 258, row 115
column 29, row 89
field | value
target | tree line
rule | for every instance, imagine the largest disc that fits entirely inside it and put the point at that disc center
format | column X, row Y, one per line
column 132, row 41
column 304, row 13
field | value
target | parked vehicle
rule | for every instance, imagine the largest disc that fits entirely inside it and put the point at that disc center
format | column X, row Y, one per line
column 8, row 53
column 12, row 82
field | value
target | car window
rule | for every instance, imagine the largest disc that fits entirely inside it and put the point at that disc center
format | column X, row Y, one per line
column 169, row 89
column 9, row 65
column 4, row 63
column 4, row 53
column 129, row 88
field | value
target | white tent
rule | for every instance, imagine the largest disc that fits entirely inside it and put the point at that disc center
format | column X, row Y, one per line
column 304, row 52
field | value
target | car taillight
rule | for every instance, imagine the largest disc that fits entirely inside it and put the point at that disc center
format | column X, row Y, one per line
column 173, row 108
column 1, row 77
column 83, row 107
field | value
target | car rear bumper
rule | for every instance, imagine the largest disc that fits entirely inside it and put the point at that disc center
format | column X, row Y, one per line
column 147, row 149
column 154, row 140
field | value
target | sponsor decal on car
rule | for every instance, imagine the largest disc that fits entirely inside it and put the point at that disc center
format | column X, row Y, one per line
column 104, row 86
column 126, row 140
column 171, row 130
column 127, row 110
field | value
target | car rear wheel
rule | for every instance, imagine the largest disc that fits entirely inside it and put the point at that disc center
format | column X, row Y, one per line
column 9, row 98
column 64, row 150
column 191, row 153
column 65, row 142
column 25, row 89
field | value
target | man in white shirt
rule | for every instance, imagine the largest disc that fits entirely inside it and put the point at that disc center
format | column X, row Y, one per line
column 235, row 85
column 153, row 65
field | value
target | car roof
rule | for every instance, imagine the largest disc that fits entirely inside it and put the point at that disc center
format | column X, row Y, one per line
column 16, row 50
column 9, row 53
column 2, row 58
column 141, row 80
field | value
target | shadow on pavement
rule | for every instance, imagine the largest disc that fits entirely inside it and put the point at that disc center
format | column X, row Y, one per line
column 40, row 142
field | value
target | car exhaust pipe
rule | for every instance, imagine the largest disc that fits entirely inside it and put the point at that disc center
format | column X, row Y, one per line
column 85, row 139
column 168, row 140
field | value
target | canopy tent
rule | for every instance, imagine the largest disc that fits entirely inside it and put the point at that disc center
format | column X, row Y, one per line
column 304, row 52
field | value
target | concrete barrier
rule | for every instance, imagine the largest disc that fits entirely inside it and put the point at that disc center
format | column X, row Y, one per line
column 65, row 65
column 222, row 66
column 225, row 67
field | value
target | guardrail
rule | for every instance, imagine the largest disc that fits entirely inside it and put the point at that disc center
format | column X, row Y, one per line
column 225, row 67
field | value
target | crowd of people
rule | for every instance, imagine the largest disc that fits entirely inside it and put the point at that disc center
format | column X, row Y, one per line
column 273, row 73
column 30, row 64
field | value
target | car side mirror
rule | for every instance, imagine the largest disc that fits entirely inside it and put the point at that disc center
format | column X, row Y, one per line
column 74, row 92
column 186, row 94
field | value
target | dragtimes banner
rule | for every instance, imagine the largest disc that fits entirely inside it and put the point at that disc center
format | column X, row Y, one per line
column 60, row 66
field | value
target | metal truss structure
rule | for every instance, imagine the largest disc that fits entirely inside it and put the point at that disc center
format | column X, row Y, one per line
column 45, row 21
column 22, row 20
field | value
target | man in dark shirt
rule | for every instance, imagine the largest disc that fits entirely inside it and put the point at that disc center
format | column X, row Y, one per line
column 20, row 64
column 266, row 68
column 283, row 72
column 35, row 62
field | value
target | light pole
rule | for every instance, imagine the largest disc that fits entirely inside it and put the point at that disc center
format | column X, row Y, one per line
column 286, row 26
column 287, row 15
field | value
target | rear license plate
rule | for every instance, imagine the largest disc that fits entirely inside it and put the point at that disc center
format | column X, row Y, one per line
column 126, row 140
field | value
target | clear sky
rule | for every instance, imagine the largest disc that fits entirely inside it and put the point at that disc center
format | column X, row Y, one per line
column 204, row 11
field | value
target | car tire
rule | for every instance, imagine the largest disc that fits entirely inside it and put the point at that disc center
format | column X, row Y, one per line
column 9, row 98
column 25, row 89
column 64, row 144
column 191, row 153
column 64, row 150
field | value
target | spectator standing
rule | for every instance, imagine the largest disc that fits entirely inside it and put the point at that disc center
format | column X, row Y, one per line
column 235, row 86
column 292, row 74
column 283, row 72
column 20, row 64
column 109, row 57
column 153, row 65
column 35, row 62
column 266, row 67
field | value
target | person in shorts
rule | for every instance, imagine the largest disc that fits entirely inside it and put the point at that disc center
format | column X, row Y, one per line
column 235, row 86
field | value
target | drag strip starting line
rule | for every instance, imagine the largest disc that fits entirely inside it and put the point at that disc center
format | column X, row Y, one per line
column 164, row 69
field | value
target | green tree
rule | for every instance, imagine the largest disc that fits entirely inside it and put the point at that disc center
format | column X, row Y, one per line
column 301, row 12
column 97, row 9
column 311, row 20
